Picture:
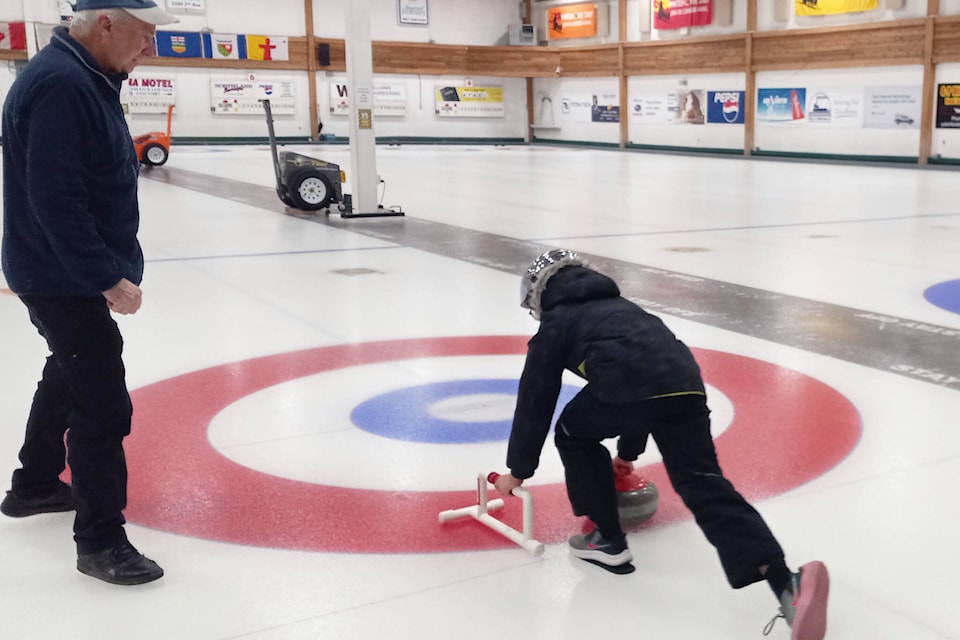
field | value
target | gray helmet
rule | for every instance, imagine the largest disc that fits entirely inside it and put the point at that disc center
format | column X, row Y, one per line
column 534, row 281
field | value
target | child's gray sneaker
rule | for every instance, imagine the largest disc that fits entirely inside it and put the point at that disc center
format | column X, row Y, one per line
column 804, row 604
column 592, row 546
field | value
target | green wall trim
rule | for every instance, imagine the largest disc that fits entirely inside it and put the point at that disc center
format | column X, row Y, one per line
column 576, row 143
column 187, row 141
column 343, row 140
column 836, row 156
column 660, row 147
column 950, row 161
column 420, row 140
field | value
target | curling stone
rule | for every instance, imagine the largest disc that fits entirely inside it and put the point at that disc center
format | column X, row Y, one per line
column 637, row 498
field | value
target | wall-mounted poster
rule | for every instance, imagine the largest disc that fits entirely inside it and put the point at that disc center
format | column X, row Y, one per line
column 147, row 93
column 605, row 108
column 677, row 14
column 413, row 12
column 389, row 99
column 835, row 107
column 896, row 107
column 725, row 107
column 655, row 108
column 239, row 97
column 690, row 103
column 948, row 106
column 827, row 7
column 469, row 102
column 572, row 21
column 781, row 105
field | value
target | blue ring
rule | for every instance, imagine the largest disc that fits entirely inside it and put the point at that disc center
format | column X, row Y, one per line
column 945, row 295
column 404, row 414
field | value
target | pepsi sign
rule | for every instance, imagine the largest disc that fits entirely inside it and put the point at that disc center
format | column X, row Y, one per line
column 725, row 107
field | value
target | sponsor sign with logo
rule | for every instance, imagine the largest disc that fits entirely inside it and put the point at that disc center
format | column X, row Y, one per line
column 725, row 107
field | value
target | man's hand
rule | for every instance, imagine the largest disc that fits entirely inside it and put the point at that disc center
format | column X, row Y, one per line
column 124, row 297
column 506, row 483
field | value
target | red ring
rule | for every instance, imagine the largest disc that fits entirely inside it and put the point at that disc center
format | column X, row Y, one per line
column 787, row 429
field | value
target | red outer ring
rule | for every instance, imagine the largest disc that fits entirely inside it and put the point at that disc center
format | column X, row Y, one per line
column 788, row 428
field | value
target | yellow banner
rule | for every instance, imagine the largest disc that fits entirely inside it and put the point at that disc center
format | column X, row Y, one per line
column 827, row 7
column 476, row 102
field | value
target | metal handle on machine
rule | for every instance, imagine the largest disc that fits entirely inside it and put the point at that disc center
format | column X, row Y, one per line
column 273, row 140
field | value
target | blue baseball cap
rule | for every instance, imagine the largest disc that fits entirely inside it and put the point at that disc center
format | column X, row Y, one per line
column 146, row 10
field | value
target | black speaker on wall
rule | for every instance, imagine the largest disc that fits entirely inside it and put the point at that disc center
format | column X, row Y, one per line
column 323, row 54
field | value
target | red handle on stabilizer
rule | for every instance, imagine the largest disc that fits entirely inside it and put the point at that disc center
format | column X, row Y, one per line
column 492, row 477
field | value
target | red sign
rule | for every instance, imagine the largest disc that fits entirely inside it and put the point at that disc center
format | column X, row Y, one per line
column 677, row 14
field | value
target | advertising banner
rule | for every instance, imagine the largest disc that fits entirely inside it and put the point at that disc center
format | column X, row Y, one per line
column 389, row 99
column 677, row 14
column 655, row 108
column 896, row 107
column 572, row 21
column 690, row 103
column 776, row 106
column 469, row 102
column 232, row 97
column 725, row 107
column 827, row 7
column 835, row 107
column 147, row 93
column 948, row 106
column 605, row 108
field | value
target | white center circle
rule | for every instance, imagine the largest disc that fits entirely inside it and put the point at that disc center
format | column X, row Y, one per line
column 475, row 407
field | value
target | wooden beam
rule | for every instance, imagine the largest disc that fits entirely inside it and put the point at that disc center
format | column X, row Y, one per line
column 622, row 15
column 750, row 82
column 749, row 97
column 311, row 70
column 624, row 105
column 531, row 106
column 928, row 99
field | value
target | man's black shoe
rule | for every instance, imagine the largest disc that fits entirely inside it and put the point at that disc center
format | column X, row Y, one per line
column 121, row 564
column 17, row 506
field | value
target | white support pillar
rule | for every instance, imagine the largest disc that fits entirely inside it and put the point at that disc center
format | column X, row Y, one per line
column 363, row 176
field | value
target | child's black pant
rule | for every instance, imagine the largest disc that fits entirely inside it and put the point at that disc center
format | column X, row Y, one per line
column 681, row 428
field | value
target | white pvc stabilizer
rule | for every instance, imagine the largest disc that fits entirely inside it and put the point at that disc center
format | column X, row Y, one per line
column 479, row 512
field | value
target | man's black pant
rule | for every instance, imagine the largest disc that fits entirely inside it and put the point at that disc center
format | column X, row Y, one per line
column 83, row 393
column 681, row 428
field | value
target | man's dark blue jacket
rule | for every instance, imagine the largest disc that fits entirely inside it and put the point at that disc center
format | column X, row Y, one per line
column 70, row 212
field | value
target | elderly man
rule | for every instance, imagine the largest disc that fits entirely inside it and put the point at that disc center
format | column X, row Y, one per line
column 71, row 254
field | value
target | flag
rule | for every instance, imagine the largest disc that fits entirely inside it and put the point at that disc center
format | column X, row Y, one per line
column 267, row 47
column 13, row 35
column 221, row 47
column 179, row 44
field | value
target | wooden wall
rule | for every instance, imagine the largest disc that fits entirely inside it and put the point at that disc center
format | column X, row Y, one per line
column 889, row 43
column 925, row 41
